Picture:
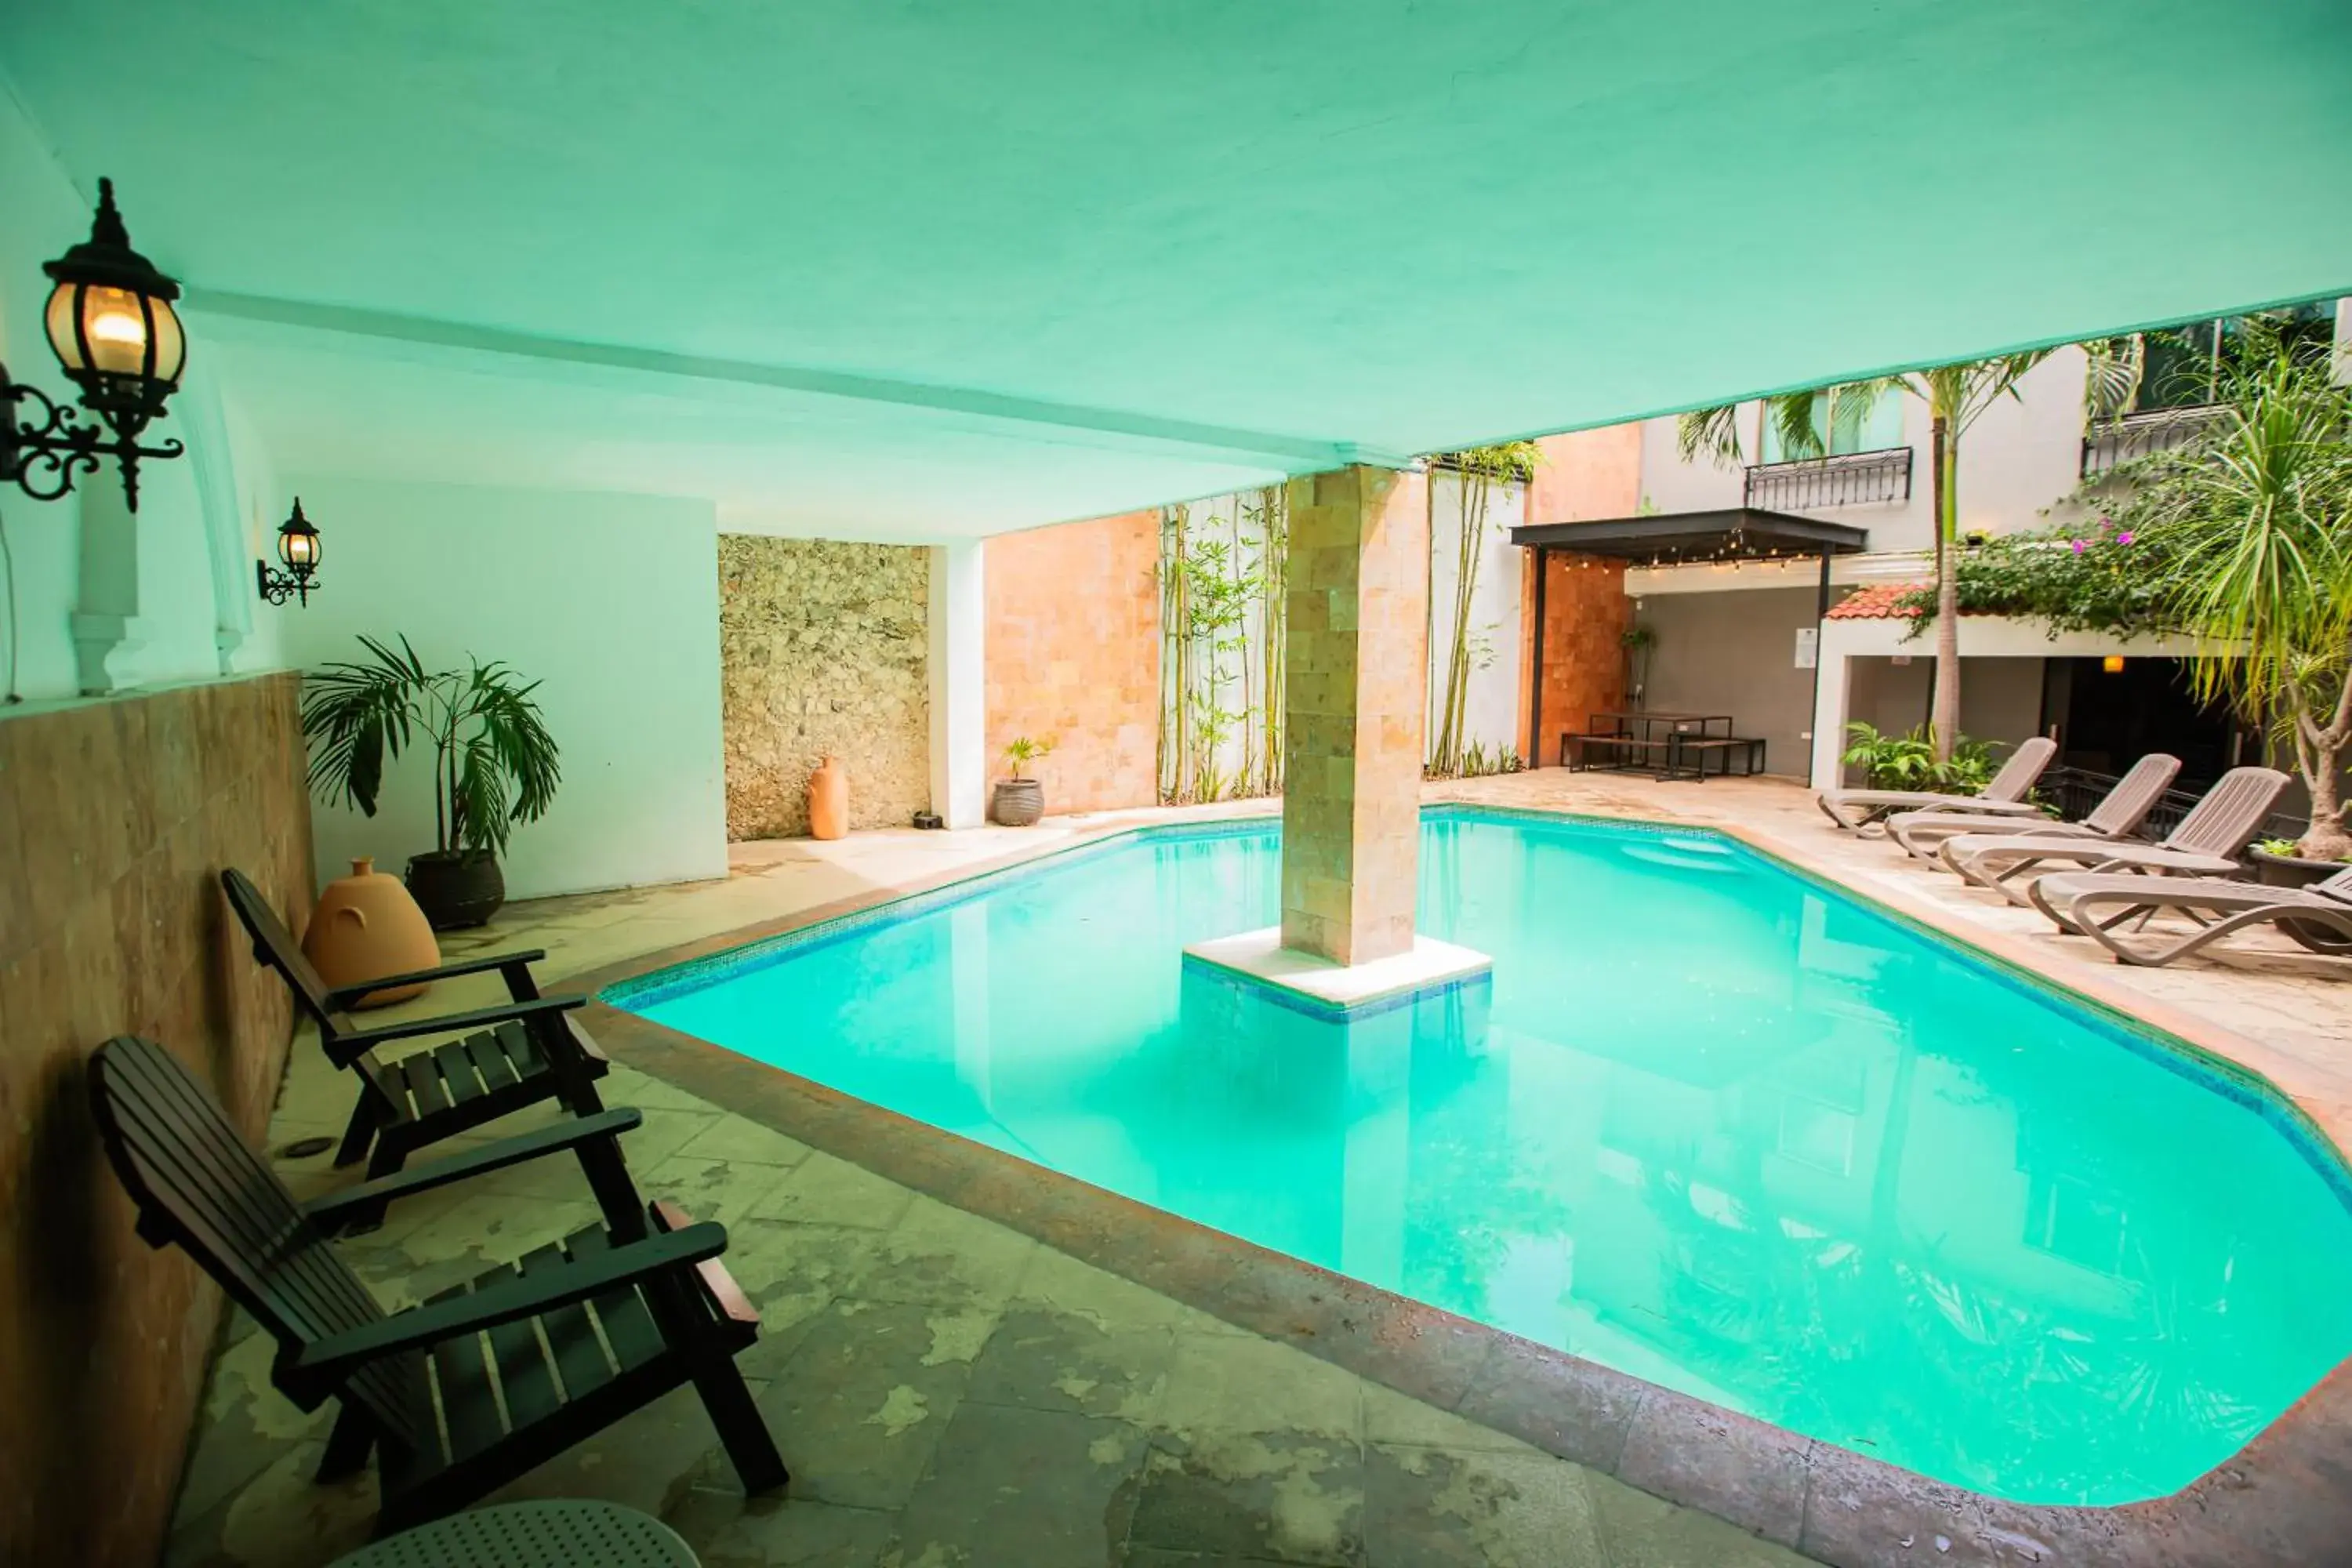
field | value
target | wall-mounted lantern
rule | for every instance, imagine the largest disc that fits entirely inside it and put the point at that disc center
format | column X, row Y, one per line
column 110, row 321
column 2113, row 664
column 298, row 547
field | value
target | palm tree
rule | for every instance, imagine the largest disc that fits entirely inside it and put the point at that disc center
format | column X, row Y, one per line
column 2256, row 517
column 1957, row 396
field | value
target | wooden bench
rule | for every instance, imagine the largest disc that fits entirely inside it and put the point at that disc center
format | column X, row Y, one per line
column 1689, row 757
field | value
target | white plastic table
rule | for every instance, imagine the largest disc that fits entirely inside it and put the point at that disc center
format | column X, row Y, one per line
column 561, row 1534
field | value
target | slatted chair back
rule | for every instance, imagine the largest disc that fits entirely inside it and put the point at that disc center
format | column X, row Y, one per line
column 274, row 945
column 2125, row 807
column 2231, row 813
column 2023, row 769
column 198, row 1185
column 2338, row 887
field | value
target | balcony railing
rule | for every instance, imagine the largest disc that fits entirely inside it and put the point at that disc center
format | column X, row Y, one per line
column 1842, row 479
column 2109, row 442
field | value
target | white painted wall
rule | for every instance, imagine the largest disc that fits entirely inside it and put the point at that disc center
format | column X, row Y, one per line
column 2021, row 457
column 1494, row 611
column 153, row 592
column 611, row 601
column 959, row 683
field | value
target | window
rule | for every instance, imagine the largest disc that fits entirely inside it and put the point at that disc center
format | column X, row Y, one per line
column 1857, row 425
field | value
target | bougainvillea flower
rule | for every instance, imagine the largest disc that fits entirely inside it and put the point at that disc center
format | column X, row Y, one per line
column 2078, row 547
column 2125, row 538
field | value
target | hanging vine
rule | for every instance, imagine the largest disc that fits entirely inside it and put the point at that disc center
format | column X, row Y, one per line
column 1469, row 647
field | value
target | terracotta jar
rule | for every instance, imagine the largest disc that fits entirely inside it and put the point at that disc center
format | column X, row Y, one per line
column 828, row 800
column 364, row 925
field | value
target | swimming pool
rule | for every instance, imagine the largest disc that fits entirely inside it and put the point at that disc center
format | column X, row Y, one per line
column 1710, row 1123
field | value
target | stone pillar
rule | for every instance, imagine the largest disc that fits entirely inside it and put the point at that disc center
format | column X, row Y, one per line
column 1357, row 663
column 959, row 685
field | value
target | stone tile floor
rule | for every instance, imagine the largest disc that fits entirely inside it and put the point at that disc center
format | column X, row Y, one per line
column 948, row 1392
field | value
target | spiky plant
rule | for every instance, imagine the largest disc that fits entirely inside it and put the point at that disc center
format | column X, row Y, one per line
column 494, row 762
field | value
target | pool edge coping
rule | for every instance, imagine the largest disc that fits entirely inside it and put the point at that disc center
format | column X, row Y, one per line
column 2273, row 1499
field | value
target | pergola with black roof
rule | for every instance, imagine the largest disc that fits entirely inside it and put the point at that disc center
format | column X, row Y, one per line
column 1681, row 539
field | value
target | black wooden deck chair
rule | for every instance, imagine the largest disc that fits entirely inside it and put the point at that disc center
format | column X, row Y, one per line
column 578, row 1335
column 515, row 1054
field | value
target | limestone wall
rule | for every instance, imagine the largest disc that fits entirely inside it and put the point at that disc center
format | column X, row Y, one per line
column 116, row 818
column 1072, row 649
column 823, row 648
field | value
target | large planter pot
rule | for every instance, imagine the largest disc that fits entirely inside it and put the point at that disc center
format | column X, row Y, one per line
column 2290, row 871
column 366, row 925
column 828, row 800
column 2294, row 872
column 456, row 888
column 1019, row 802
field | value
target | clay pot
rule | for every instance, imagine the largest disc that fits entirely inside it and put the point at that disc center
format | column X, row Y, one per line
column 828, row 800
column 364, row 925
column 456, row 888
column 1019, row 802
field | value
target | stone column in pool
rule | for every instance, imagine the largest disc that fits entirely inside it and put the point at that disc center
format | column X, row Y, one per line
column 1354, row 681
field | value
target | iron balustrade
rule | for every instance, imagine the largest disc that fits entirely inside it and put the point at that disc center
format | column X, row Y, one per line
column 2110, row 442
column 1842, row 479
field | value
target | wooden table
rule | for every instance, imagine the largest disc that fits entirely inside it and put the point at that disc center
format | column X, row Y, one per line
column 1633, row 741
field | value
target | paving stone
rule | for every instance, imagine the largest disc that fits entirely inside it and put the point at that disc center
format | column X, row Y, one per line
column 246, row 1425
column 1227, row 1384
column 1042, row 1360
column 1638, row 1531
column 740, row 1141
column 708, row 1188
column 827, row 1191
column 1057, row 1279
column 1396, row 1418
column 730, row 1530
column 938, row 1254
column 861, row 1404
column 1010, row 1488
column 1287, row 1497
column 1430, row 1507
column 281, row 1519
column 646, row 1461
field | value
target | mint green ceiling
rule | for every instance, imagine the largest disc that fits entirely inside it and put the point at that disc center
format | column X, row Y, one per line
column 1075, row 257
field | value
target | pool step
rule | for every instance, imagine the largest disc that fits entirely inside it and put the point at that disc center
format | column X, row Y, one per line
column 1688, row 855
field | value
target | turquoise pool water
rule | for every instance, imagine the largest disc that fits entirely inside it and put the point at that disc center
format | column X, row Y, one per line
column 1711, row 1124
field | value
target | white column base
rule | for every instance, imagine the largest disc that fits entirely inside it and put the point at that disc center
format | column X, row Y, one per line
column 1318, row 987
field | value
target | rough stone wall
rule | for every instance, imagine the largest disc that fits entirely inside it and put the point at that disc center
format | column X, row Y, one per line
column 116, row 819
column 823, row 648
column 1073, row 645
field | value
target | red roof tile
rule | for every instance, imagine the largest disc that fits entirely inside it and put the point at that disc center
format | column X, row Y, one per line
column 1876, row 602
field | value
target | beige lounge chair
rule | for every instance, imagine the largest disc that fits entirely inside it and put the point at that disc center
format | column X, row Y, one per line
column 2117, row 815
column 2318, row 917
column 1856, row 809
column 2206, row 844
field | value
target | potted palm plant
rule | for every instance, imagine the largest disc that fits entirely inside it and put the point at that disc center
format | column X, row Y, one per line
column 494, row 763
column 1020, row 802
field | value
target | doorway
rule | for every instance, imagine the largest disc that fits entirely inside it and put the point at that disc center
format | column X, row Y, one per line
column 2105, row 718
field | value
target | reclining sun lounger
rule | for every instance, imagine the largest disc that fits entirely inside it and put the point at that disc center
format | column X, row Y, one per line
column 2318, row 917
column 1856, row 809
column 2117, row 815
column 2206, row 844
